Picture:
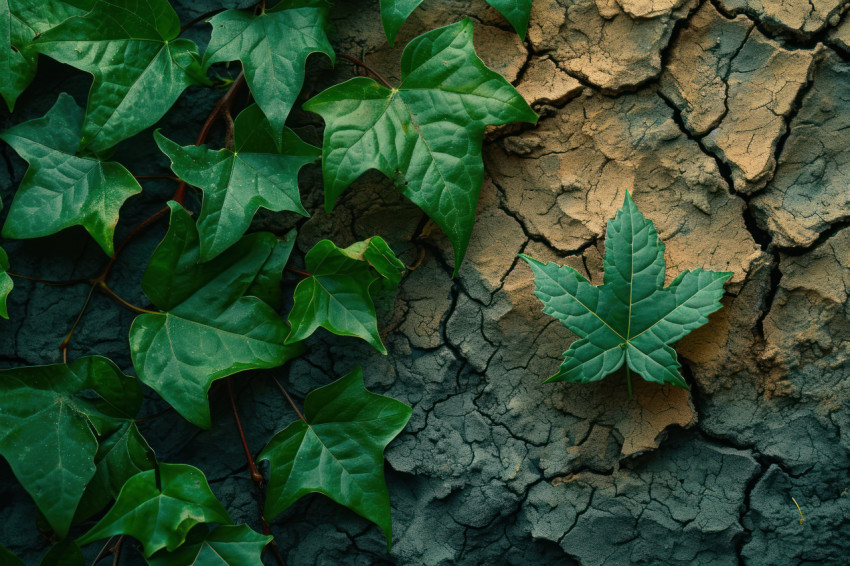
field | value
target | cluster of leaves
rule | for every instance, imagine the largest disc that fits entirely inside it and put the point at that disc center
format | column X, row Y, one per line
column 69, row 430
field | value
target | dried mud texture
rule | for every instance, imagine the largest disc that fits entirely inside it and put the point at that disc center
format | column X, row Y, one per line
column 727, row 121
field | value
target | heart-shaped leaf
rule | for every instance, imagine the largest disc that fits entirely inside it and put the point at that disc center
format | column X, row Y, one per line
column 336, row 294
column 50, row 420
column 273, row 47
column 337, row 450
column 210, row 328
column 237, row 183
column 632, row 318
column 225, row 545
column 425, row 134
column 139, row 65
column 60, row 188
column 159, row 513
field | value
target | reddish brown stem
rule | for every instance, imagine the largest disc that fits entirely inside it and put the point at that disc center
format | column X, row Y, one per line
column 299, row 272
column 360, row 63
column 288, row 398
column 126, row 304
column 255, row 473
column 51, row 283
column 63, row 347
column 256, row 476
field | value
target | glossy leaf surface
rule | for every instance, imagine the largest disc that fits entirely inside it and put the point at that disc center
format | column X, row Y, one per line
column 237, row 183
column 120, row 456
column 273, row 48
column 338, row 450
column 20, row 23
column 225, row 545
column 395, row 12
column 139, row 65
column 160, row 517
column 61, row 188
column 209, row 328
column 50, row 420
column 337, row 294
column 632, row 318
column 426, row 134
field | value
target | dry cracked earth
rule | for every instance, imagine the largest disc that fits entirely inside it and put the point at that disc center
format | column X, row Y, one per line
column 729, row 122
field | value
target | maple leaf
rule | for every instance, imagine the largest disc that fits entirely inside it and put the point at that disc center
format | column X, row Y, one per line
column 61, row 188
column 237, row 183
column 337, row 293
column 426, row 134
column 337, row 449
column 217, row 319
column 631, row 318
column 160, row 511
column 395, row 12
column 139, row 65
column 273, row 47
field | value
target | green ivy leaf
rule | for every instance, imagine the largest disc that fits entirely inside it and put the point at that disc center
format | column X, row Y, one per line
column 225, row 545
column 61, row 189
column 336, row 294
column 120, row 456
column 209, row 329
column 337, row 450
column 273, row 48
column 139, row 65
column 426, row 134
column 6, row 284
column 64, row 553
column 237, row 183
column 632, row 318
column 20, row 22
column 395, row 12
column 159, row 514
column 9, row 559
column 50, row 420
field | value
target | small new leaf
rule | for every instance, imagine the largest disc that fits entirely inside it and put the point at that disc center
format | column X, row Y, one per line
column 60, row 188
column 159, row 514
column 210, row 328
column 336, row 294
column 426, row 134
column 337, row 450
column 395, row 12
column 50, row 420
column 225, row 545
column 139, row 65
column 237, row 183
column 273, row 47
column 631, row 318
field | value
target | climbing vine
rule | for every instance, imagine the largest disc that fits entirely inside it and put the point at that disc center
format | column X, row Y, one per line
column 69, row 430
